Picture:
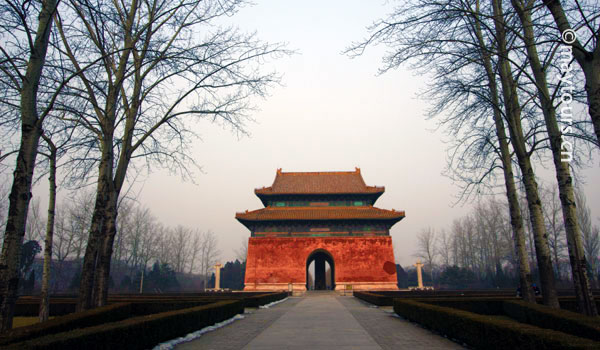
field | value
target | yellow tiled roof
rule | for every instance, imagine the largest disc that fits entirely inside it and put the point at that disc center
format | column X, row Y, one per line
column 331, row 182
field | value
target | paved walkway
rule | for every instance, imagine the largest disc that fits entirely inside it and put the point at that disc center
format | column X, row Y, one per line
column 320, row 321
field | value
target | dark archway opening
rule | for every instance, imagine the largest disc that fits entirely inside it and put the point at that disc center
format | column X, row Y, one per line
column 320, row 271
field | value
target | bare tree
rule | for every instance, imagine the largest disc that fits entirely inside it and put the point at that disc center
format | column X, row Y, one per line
column 3, row 202
column 513, row 117
column 80, row 209
column 124, row 232
column 45, row 293
column 180, row 237
column 426, row 248
column 516, row 218
column 21, row 69
column 583, row 37
column 162, row 250
column 136, row 222
column 64, row 244
column 590, row 235
column 444, row 246
column 35, row 223
column 193, row 250
column 555, row 226
column 593, row 248
column 583, row 291
column 242, row 253
column 209, row 254
column 55, row 150
column 149, row 239
column 163, row 73
column 448, row 38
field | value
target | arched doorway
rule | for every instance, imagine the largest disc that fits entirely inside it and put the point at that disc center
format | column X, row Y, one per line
column 317, row 264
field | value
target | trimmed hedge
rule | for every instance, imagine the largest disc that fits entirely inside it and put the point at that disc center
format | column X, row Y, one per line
column 386, row 298
column 491, row 306
column 137, row 333
column 374, row 298
column 560, row 320
column 57, row 308
column 477, row 304
column 467, row 292
column 570, row 303
column 60, row 308
column 148, row 308
column 263, row 299
column 447, row 292
column 109, row 313
column 489, row 332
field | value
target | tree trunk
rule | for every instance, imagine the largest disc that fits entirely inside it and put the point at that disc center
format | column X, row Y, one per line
column 93, row 290
column 592, row 87
column 516, row 219
column 102, row 281
column 581, row 282
column 45, row 294
column 16, row 222
column 588, row 61
column 98, row 279
column 90, row 260
column 513, row 116
column 20, row 195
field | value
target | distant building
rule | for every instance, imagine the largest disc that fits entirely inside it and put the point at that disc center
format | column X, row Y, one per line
column 320, row 217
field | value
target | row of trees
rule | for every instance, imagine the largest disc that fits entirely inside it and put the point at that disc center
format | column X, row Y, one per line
column 104, row 89
column 140, row 242
column 480, row 245
column 510, row 79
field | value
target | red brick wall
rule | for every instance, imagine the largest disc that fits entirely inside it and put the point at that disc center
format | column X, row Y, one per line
column 356, row 259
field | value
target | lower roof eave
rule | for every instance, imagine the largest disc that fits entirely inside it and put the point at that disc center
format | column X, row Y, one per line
column 391, row 221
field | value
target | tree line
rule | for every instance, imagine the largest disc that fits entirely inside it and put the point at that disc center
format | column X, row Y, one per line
column 102, row 91
column 141, row 242
column 515, row 84
column 477, row 250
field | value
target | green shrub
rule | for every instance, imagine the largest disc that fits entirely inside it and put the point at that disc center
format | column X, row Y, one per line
column 448, row 293
column 483, row 306
column 263, row 299
column 570, row 303
column 139, row 332
column 560, row 320
column 111, row 313
column 69, row 322
column 32, row 308
column 489, row 332
column 148, row 308
column 375, row 299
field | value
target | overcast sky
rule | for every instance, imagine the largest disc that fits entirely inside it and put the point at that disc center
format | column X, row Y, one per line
column 332, row 114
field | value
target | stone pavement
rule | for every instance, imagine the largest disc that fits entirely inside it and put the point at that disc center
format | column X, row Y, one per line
column 320, row 321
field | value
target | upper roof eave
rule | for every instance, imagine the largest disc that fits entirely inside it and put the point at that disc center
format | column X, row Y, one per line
column 268, row 191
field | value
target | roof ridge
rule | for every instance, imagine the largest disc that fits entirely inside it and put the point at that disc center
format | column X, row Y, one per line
column 317, row 172
column 322, row 207
column 356, row 170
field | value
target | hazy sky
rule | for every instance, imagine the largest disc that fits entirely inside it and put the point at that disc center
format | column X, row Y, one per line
column 333, row 113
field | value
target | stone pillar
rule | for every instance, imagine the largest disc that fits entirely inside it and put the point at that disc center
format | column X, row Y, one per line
column 419, row 265
column 218, row 276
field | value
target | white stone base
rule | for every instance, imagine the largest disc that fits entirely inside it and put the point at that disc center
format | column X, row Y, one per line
column 343, row 288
